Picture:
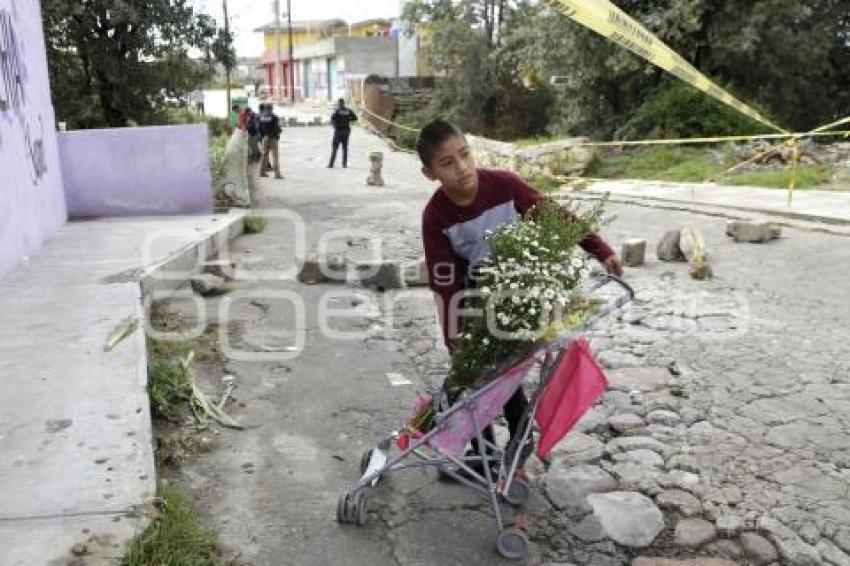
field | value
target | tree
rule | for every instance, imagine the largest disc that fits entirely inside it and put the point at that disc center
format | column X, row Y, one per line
column 788, row 58
column 478, row 87
column 116, row 62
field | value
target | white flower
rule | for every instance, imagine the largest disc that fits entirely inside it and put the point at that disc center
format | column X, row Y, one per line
column 485, row 341
column 485, row 290
column 577, row 263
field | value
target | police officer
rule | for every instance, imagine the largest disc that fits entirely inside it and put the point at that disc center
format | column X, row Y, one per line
column 341, row 120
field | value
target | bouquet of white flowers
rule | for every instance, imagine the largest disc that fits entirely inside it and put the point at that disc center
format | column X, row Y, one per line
column 526, row 290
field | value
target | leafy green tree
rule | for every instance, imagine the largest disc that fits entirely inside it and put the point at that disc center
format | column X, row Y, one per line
column 478, row 87
column 118, row 62
column 789, row 58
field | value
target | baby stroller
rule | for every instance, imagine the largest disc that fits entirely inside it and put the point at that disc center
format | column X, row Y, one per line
column 570, row 382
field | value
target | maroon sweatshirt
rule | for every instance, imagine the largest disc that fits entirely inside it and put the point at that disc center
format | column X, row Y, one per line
column 454, row 235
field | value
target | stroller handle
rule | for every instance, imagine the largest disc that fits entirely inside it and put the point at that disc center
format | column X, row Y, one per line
column 624, row 299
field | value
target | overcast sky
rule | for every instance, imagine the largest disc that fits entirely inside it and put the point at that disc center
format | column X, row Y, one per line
column 246, row 15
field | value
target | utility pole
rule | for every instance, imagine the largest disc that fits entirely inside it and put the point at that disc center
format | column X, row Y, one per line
column 227, row 62
column 291, row 62
column 278, row 64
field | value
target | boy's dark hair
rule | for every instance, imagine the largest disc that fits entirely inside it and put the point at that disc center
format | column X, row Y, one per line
column 431, row 136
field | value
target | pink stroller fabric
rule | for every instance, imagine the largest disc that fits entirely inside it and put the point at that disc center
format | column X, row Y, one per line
column 573, row 388
column 458, row 428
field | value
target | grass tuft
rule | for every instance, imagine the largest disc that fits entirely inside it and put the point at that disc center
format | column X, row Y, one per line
column 175, row 537
column 254, row 224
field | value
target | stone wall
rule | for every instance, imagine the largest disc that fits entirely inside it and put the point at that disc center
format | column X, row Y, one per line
column 32, row 204
column 560, row 158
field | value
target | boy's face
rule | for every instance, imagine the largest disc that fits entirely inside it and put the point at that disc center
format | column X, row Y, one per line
column 454, row 167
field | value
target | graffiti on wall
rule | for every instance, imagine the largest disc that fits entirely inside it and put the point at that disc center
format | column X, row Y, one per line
column 14, row 109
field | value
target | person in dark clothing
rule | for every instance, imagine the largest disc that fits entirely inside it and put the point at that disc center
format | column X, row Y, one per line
column 253, row 129
column 270, row 134
column 341, row 120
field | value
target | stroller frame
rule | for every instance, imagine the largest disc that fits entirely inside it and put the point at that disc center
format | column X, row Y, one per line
column 502, row 484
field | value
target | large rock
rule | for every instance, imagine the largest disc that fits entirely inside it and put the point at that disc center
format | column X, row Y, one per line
column 758, row 549
column 577, row 448
column 668, row 247
column 680, row 501
column 207, row 284
column 694, row 532
column 382, row 275
column 568, row 488
column 752, row 231
column 633, row 252
column 628, row 518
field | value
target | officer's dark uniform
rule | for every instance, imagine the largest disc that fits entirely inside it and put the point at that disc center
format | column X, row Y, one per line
column 341, row 120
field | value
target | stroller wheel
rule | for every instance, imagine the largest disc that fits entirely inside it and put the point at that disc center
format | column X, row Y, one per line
column 342, row 509
column 518, row 493
column 357, row 508
column 512, row 544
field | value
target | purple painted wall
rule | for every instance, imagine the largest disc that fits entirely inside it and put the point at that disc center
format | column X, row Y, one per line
column 32, row 204
column 136, row 171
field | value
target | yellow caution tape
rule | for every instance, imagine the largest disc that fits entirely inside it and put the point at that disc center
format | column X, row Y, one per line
column 611, row 22
column 390, row 122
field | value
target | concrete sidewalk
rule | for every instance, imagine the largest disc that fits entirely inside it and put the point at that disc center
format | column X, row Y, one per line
column 75, row 430
column 829, row 207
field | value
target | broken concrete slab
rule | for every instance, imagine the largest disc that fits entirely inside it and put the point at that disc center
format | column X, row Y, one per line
column 757, row 231
column 382, row 275
column 668, row 247
column 633, row 252
column 416, row 273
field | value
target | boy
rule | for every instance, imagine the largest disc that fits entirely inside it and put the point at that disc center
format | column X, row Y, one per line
column 468, row 204
column 341, row 120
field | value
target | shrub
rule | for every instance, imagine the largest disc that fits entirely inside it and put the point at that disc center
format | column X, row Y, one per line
column 679, row 110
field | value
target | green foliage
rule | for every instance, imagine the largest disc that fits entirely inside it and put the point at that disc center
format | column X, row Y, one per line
column 254, row 224
column 117, row 63
column 544, row 183
column 677, row 110
column 176, row 537
column 479, row 87
column 217, row 145
column 807, row 176
column 697, row 164
column 168, row 388
column 789, row 58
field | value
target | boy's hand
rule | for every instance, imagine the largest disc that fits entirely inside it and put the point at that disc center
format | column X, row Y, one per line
column 613, row 265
